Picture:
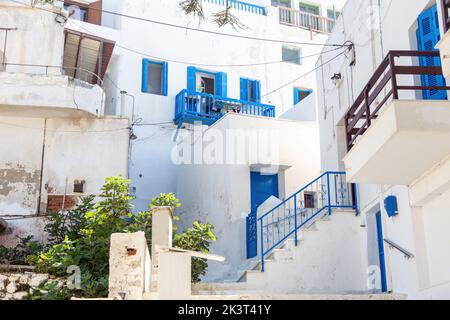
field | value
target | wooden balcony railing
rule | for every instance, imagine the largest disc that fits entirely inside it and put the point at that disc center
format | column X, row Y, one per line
column 306, row 20
column 446, row 14
column 368, row 104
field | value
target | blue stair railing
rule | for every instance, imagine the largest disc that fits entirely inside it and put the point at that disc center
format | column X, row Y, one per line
column 325, row 193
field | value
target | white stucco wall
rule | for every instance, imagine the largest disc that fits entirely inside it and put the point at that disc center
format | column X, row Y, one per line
column 370, row 27
column 220, row 193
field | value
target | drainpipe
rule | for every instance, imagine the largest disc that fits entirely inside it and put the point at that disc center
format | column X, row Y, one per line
column 42, row 168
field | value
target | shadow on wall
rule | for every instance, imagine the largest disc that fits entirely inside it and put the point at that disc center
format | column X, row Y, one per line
column 305, row 110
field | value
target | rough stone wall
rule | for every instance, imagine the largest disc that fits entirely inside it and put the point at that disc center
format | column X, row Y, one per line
column 20, row 286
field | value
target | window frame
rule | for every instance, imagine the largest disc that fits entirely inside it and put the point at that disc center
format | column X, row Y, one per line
column 309, row 6
column 297, row 90
column 256, row 89
column 220, row 80
column 289, row 47
column 164, row 76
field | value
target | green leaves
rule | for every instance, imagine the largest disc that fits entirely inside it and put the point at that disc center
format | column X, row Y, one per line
column 82, row 236
column 165, row 200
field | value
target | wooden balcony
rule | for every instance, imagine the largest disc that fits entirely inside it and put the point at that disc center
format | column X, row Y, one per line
column 385, row 79
column 399, row 126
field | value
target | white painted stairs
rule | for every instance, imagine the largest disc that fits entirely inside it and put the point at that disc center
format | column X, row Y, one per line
column 327, row 264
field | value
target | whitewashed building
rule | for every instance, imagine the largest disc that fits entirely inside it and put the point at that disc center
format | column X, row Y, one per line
column 57, row 144
column 172, row 70
column 384, row 118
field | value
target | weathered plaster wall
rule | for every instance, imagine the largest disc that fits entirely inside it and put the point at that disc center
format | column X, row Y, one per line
column 23, row 45
column 74, row 149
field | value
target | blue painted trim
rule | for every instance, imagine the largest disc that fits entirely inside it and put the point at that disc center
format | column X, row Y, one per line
column 164, row 76
column 221, row 84
column 382, row 259
column 165, row 79
column 428, row 35
column 144, row 86
column 296, row 94
column 191, row 106
column 245, row 86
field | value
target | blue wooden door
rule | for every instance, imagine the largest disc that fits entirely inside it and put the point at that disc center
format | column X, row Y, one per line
column 428, row 35
column 382, row 259
column 262, row 188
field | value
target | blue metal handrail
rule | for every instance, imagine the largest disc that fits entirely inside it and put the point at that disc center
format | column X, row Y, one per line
column 241, row 5
column 191, row 106
column 294, row 213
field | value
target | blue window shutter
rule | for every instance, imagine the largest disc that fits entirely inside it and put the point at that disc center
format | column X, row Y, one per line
column 191, row 81
column 165, row 78
column 428, row 35
column 144, row 75
column 296, row 97
column 244, row 89
column 257, row 88
column 221, row 84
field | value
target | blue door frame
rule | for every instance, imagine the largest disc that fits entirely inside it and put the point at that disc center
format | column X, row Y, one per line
column 428, row 35
column 262, row 188
column 381, row 255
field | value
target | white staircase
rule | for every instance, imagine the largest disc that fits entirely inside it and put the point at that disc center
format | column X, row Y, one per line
column 326, row 264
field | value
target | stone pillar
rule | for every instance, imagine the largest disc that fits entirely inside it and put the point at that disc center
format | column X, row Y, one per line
column 162, row 227
column 174, row 276
column 129, row 266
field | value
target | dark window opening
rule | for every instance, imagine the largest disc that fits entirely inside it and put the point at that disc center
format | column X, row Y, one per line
column 309, row 198
column 291, row 54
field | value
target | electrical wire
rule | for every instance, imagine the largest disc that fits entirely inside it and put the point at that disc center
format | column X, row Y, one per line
column 196, row 29
column 303, row 75
column 140, row 53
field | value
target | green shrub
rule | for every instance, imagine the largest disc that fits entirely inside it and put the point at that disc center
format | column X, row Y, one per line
column 18, row 255
column 82, row 238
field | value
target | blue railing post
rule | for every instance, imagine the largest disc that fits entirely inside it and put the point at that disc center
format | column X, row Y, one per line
column 262, row 246
column 355, row 194
column 329, row 193
column 295, row 220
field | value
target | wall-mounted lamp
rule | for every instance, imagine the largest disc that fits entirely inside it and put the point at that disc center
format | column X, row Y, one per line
column 61, row 19
column 133, row 136
column 336, row 78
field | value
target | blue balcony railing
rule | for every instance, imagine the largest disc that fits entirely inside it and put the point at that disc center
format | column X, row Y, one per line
column 241, row 5
column 193, row 107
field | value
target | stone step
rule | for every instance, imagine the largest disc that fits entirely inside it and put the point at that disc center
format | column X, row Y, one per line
column 269, row 296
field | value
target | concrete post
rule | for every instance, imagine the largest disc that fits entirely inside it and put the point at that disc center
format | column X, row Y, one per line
column 129, row 266
column 162, row 227
column 174, row 276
